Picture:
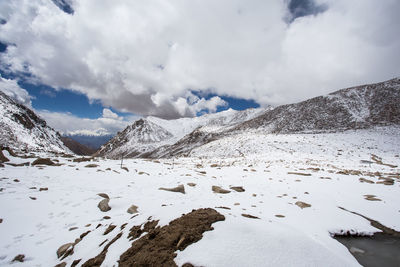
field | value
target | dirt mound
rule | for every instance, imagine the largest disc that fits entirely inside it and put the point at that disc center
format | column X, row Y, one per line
column 158, row 247
column 41, row 161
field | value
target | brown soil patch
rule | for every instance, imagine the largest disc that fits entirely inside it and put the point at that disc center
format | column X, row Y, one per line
column 98, row 260
column 219, row 190
column 109, row 229
column 41, row 161
column 371, row 198
column 385, row 181
column 300, row 173
column 302, row 204
column 82, row 159
column 178, row 189
column 92, row 165
column 363, row 180
column 158, row 247
column 249, row 216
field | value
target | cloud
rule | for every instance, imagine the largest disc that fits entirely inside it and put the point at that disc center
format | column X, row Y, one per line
column 145, row 56
column 66, row 123
column 12, row 89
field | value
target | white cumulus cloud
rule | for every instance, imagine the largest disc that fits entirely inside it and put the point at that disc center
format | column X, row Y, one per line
column 145, row 56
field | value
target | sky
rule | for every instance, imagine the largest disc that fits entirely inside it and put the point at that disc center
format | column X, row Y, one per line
column 94, row 66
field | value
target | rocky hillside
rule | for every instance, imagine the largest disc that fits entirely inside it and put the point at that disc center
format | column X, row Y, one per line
column 22, row 130
column 352, row 108
column 76, row 147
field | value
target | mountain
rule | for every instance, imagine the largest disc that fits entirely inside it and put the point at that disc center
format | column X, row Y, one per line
column 352, row 108
column 146, row 135
column 357, row 107
column 21, row 129
column 77, row 147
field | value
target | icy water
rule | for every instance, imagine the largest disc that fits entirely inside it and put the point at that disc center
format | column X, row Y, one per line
column 378, row 250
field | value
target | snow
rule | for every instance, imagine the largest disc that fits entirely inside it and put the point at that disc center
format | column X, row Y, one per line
column 37, row 228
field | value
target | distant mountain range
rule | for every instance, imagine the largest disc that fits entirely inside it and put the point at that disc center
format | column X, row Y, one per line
column 358, row 107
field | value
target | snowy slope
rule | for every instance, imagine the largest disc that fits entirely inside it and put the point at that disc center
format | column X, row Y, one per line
column 322, row 170
column 22, row 129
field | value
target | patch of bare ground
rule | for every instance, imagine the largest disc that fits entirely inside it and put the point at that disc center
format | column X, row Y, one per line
column 43, row 161
column 378, row 160
column 98, row 260
column 178, row 189
column 158, row 247
column 219, row 190
column 371, row 198
column 81, row 159
column 302, row 204
column 237, row 188
column 385, row 181
column 300, row 173
column 249, row 216
column 364, row 180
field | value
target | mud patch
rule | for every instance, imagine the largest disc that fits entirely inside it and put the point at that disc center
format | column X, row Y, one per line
column 158, row 247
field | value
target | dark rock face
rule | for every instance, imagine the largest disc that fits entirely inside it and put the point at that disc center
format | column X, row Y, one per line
column 77, row 147
column 158, row 247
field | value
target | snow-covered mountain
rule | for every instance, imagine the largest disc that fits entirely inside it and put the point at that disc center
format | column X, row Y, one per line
column 358, row 107
column 21, row 129
column 352, row 108
column 146, row 135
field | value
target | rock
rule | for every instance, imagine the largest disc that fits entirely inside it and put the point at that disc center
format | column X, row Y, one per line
column 103, row 205
column 178, row 189
column 300, row 173
column 2, row 157
column 16, row 180
column 106, row 217
column 92, row 165
column 62, row 264
column 1, row 220
column 19, row 258
column 63, row 249
column 302, row 204
column 279, row 216
column 191, row 184
column 237, row 188
column 132, row 209
column 42, row 161
column 385, row 181
column 43, row 189
column 72, row 228
column 249, row 216
column 371, row 198
column 125, row 168
column 219, row 190
column 103, row 195
column 33, row 198
column 109, row 229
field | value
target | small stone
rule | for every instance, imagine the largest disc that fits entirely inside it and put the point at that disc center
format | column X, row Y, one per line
column 178, row 189
column 33, row 198
column 62, row 264
column 72, row 228
column 191, row 184
column 103, row 205
column 279, row 216
column 219, row 190
column 16, row 180
column 302, row 204
column 249, row 216
column 43, row 189
column 132, row 209
column 106, row 217
column 237, row 188
column 19, row 258
column 92, row 165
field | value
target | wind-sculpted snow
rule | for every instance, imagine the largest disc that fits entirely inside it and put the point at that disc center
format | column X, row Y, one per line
column 22, row 129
